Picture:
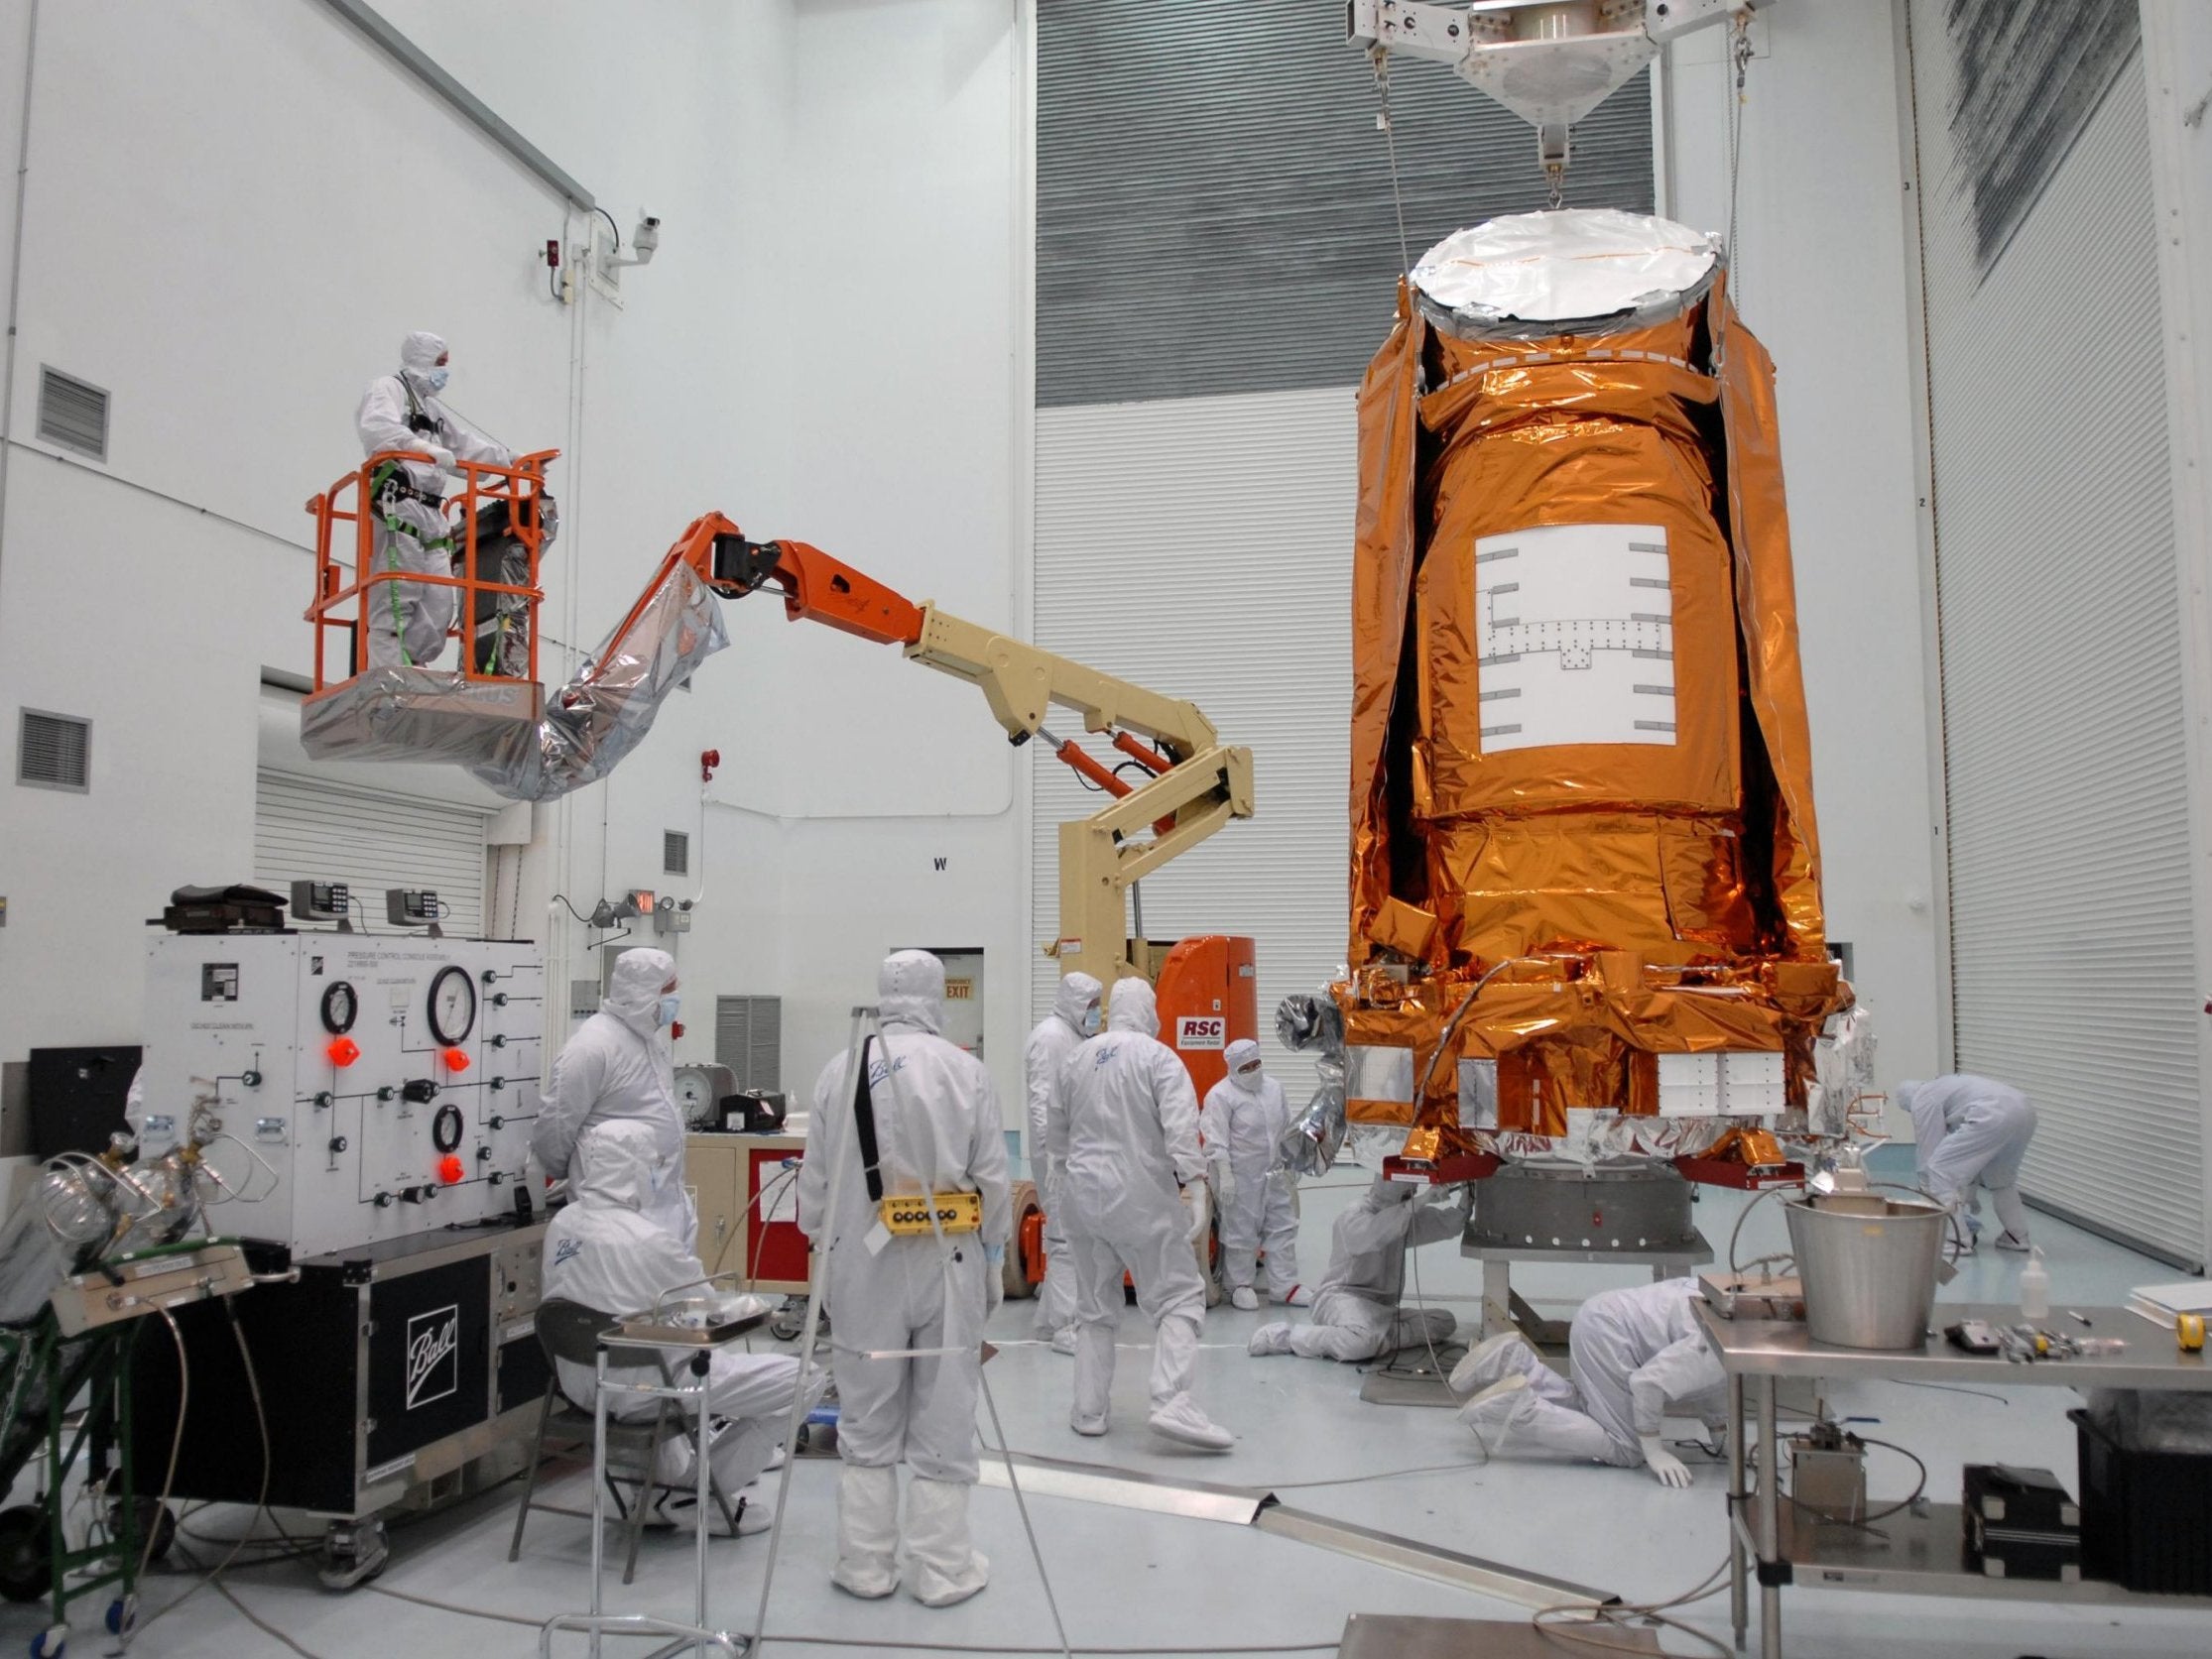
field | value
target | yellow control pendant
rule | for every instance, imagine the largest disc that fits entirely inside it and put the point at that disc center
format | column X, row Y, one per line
column 907, row 1214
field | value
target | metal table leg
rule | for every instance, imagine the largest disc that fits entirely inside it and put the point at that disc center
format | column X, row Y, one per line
column 700, row 1369
column 1497, row 1297
column 598, row 1494
column 1770, row 1519
column 1738, row 1576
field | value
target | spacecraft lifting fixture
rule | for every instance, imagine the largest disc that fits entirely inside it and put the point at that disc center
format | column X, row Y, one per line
column 1549, row 62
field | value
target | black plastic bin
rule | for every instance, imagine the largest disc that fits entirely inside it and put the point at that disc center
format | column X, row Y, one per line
column 2145, row 1516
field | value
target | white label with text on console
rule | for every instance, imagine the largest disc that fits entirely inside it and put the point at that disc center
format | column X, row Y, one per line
column 1201, row 1030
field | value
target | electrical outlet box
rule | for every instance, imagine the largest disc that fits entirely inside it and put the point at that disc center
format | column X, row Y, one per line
column 606, row 283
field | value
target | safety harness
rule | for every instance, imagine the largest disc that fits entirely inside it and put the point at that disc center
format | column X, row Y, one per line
column 391, row 486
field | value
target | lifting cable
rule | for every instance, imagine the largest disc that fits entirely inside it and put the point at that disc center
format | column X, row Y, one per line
column 1379, row 56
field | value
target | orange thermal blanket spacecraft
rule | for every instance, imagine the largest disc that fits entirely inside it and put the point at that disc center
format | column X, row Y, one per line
column 1585, row 880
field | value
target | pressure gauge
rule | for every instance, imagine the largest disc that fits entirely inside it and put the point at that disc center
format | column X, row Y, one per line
column 452, row 1004
column 695, row 1098
column 340, row 1004
column 446, row 1128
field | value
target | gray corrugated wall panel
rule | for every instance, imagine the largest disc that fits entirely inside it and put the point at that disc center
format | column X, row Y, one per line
column 1213, row 199
column 2074, row 954
column 308, row 831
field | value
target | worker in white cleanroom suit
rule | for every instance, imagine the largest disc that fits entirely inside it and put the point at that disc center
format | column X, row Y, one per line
column 406, row 621
column 1971, row 1132
column 1074, row 1017
column 908, row 1309
column 618, row 1066
column 1356, row 1311
column 1124, row 1131
column 1636, row 1356
column 602, row 1253
column 1243, row 1118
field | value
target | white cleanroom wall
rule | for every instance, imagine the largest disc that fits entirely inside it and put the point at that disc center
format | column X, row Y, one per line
column 228, row 264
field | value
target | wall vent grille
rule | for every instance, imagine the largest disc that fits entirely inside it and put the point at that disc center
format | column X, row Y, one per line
column 73, row 414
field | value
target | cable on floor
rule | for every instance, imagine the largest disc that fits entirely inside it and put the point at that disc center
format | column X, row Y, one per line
column 1951, row 1389
column 1554, row 1622
column 1381, row 1475
column 260, row 1624
column 261, row 1500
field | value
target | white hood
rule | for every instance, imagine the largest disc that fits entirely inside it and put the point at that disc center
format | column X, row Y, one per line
column 1133, row 1009
column 634, row 992
column 1077, row 994
column 910, row 990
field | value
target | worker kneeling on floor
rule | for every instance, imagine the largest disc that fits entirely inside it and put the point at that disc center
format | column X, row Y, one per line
column 1636, row 1355
column 920, row 1119
column 1357, row 1308
column 603, row 1252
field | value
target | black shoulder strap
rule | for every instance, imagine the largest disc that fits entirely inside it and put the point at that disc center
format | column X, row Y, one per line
column 864, row 1119
column 419, row 418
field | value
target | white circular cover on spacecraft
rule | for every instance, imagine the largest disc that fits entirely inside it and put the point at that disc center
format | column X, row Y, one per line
column 1575, row 264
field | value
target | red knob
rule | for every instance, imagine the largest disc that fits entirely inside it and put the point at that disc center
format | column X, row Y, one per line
column 343, row 1051
column 456, row 1059
column 450, row 1169
column 675, row 1028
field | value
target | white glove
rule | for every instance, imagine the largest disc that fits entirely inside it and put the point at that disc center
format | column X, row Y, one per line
column 993, row 1279
column 1667, row 1468
column 441, row 458
column 1225, row 1186
column 1194, row 1200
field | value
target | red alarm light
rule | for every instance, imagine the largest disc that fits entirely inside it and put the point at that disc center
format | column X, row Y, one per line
column 450, row 1169
column 456, row 1059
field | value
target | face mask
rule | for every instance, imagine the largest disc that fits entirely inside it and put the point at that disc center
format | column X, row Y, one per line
column 665, row 1012
column 436, row 377
column 1250, row 1074
column 1091, row 1021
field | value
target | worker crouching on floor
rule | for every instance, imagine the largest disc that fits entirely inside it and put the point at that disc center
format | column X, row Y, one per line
column 920, row 1117
column 602, row 1252
column 1356, row 1311
column 1636, row 1356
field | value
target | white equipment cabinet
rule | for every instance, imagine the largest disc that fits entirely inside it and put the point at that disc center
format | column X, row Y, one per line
column 388, row 1083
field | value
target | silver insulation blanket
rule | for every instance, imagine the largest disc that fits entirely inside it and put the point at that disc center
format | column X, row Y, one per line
column 498, row 729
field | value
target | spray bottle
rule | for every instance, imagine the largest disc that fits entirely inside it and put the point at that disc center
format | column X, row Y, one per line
column 2034, row 1288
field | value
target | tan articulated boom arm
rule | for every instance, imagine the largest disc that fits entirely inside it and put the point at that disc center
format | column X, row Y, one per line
column 1020, row 682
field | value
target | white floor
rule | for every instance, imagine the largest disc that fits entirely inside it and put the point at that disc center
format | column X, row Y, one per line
column 1132, row 1582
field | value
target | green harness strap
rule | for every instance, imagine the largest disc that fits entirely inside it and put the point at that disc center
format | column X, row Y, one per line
column 400, row 526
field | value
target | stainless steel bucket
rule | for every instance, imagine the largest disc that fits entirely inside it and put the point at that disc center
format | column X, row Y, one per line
column 1868, row 1264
